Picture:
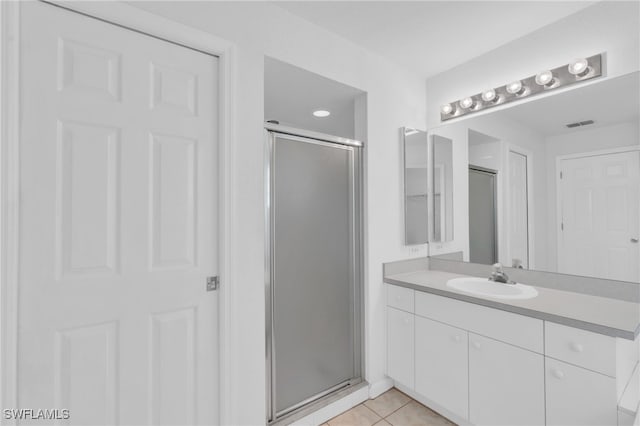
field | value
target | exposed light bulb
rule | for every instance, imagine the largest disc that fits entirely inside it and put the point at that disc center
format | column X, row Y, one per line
column 467, row 103
column 490, row 96
column 545, row 78
column 321, row 113
column 579, row 67
column 447, row 109
column 516, row 88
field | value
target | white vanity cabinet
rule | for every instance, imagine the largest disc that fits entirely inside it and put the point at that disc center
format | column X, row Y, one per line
column 506, row 384
column 586, row 375
column 442, row 365
column 487, row 366
column 400, row 335
column 576, row 396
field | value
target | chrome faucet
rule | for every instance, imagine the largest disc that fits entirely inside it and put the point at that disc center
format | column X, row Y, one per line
column 499, row 276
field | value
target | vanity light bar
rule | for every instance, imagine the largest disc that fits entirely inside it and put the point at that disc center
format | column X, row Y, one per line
column 576, row 71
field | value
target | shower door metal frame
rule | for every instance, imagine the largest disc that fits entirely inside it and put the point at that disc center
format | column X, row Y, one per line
column 272, row 131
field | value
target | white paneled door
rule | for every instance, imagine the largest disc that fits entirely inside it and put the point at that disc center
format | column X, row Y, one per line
column 600, row 202
column 118, row 160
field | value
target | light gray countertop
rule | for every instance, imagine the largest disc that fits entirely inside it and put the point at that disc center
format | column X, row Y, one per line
column 602, row 315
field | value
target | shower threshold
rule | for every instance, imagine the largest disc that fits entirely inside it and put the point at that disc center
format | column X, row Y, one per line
column 317, row 403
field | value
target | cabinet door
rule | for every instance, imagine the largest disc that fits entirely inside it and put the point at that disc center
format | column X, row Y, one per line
column 400, row 339
column 506, row 384
column 576, row 396
column 442, row 365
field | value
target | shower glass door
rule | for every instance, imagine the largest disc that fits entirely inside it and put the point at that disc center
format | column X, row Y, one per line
column 314, row 264
column 483, row 228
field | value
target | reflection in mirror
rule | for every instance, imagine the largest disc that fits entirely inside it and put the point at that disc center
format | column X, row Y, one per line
column 553, row 183
column 416, row 167
column 442, row 189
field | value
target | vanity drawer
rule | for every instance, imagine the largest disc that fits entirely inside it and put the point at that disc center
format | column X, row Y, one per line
column 400, row 297
column 593, row 351
column 518, row 330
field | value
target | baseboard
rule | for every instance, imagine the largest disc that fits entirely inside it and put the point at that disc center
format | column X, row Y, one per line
column 381, row 386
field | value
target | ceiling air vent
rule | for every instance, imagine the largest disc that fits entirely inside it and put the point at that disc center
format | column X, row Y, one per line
column 579, row 123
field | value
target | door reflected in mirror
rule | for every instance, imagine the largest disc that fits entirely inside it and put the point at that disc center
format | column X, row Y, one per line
column 442, row 189
column 551, row 184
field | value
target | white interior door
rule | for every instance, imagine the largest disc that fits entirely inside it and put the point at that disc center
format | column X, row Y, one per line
column 600, row 202
column 518, row 209
column 118, row 223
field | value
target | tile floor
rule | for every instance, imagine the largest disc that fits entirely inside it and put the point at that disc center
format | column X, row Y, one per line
column 391, row 408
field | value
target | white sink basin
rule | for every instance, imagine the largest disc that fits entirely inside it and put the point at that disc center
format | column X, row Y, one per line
column 488, row 288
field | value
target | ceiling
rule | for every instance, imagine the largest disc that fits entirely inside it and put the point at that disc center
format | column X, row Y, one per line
column 291, row 94
column 606, row 102
column 432, row 36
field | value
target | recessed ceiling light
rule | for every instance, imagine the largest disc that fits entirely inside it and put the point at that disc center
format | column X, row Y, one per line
column 321, row 113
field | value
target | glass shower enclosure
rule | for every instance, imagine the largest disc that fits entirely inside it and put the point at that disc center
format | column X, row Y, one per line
column 313, row 268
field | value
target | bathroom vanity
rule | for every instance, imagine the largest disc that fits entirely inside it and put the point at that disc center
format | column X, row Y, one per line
column 559, row 358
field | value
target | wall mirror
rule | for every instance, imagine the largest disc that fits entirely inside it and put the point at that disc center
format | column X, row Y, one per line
column 442, row 189
column 416, row 166
column 551, row 184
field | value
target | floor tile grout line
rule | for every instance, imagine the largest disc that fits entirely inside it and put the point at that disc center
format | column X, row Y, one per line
column 397, row 390
column 419, row 403
column 390, row 414
column 385, row 418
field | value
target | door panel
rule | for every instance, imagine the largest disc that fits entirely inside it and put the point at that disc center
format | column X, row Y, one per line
column 506, row 384
column 118, row 213
column 87, row 196
column 580, row 397
column 173, row 201
column 86, row 358
column 400, row 346
column 600, row 206
column 442, row 361
column 173, row 367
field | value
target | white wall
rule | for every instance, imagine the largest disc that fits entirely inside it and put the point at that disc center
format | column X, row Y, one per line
column 579, row 141
column 610, row 27
column 394, row 98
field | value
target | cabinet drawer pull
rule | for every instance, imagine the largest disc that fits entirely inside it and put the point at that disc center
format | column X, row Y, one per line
column 406, row 320
column 476, row 345
column 398, row 298
column 455, row 338
column 576, row 347
column 557, row 373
